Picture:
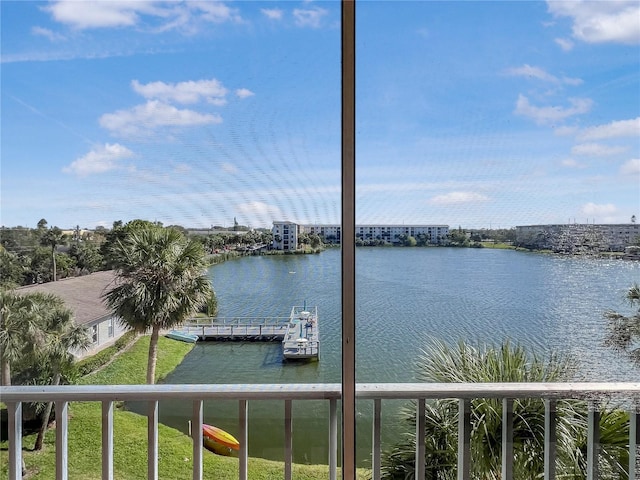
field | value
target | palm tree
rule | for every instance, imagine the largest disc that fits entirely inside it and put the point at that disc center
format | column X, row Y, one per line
column 624, row 332
column 20, row 326
column 505, row 363
column 52, row 238
column 160, row 282
column 60, row 337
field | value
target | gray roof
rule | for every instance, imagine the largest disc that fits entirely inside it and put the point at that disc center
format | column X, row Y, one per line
column 80, row 294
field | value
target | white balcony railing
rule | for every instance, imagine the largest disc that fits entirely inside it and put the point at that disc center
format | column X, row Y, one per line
column 626, row 393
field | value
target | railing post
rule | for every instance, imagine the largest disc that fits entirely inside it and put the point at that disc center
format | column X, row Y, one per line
column 420, row 446
column 634, row 443
column 15, row 440
column 550, row 439
column 593, row 441
column 107, row 440
column 507, row 439
column 333, row 439
column 196, row 438
column 288, row 440
column 152, row 440
column 376, row 447
column 243, row 420
column 464, row 439
column 62, row 434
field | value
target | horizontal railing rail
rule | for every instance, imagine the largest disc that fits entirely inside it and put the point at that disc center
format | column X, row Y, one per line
column 626, row 395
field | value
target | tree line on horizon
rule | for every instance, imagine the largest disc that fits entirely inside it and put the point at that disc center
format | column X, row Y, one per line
column 45, row 253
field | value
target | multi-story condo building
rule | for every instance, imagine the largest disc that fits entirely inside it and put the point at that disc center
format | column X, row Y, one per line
column 285, row 234
column 435, row 234
column 573, row 237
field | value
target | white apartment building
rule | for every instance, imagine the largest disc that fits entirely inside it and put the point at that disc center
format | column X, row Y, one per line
column 392, row 233
column 285, row 235
column 332, row 233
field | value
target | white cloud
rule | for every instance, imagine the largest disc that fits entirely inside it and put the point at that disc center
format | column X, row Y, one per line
column 84, row 15
column 549, row 115
column 272, row 13
column 244, row 93
column 45, row 32
column 183, row 92
column 541, row 74
column 216, row 12
column 596, row 150
column 601, row 21
column 565, row 44
column 229, row 168
column 565, row 131
column 620, row 128
column 455, row 198
column 592, row 209
column 259, row 209
column 99, row 160
column 632, row 167
column 572, row 163
column 151, row 115
column 97, row 14
column 310, row 17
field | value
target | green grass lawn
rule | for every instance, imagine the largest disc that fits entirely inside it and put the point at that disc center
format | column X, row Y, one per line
column 130, row 434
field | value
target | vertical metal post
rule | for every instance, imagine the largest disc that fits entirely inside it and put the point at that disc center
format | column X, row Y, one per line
column 348, row 240
column 197, row 418
column 634, row 443
column 376, row 447
column 152, row 440
column 62, row 437
column 288, row 440
column 420, row 445
column 333, row 439
column 107, row 440
column 593, row 441
column 550, row 439
column 507, row 439
column 15, row 440
column 464, row 439
column 243, row 420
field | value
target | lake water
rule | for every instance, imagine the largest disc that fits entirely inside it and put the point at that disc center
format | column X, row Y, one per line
column 404, row 297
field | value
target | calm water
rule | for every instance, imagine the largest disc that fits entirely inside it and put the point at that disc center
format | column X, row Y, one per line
column 404, row 297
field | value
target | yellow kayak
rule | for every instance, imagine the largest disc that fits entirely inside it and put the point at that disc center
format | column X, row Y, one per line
column 218, row 441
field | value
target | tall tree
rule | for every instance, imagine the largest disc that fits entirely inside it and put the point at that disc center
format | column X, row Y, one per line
column 624, row 331
column 160, row 282
column 60, row 336
column 20, row 326
column 52, row 238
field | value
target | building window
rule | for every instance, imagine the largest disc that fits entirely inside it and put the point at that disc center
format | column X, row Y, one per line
column 94, row 334
column 110, row 328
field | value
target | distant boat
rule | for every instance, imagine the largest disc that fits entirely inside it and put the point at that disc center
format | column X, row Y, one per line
column 182, row 336
column 218, row 441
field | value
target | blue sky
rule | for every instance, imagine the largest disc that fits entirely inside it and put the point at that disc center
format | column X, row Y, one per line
column 479, row 114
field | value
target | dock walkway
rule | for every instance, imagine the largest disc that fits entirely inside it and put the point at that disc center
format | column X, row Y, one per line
column 265, row 329
column 298, row 332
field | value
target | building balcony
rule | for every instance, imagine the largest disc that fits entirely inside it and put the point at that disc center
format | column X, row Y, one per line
column 625, row 395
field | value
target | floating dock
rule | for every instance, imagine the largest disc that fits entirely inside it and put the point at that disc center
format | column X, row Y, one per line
column 302, row 340
column 298, row 332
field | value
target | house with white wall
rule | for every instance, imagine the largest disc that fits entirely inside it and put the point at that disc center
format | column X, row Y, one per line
column 83, row 295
